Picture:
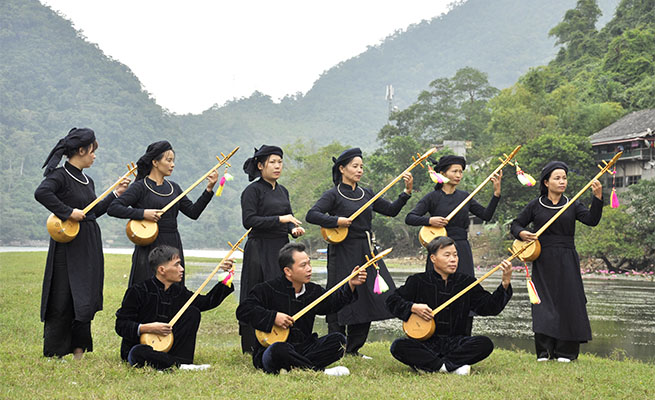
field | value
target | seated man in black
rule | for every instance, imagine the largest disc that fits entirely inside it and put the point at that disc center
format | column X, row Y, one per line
column 149, row 306
column 449, row 349
column 273, row 302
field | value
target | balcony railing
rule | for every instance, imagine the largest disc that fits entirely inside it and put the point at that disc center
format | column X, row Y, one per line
column 628, row 154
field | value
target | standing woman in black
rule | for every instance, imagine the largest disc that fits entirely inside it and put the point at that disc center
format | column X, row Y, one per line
column 560, row 322
column 443, row 200
column 74, row 272
column 265, row 208
column 332, row 210
column 150, row 193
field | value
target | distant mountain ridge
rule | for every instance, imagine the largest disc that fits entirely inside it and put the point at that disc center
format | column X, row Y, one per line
column 52, row 79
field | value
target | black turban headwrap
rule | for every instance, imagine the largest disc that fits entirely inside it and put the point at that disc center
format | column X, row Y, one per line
column 448, row 160
column 250, row 166
column 547, row 170
column 343, row 159
column 144, row 165
column 75, row 139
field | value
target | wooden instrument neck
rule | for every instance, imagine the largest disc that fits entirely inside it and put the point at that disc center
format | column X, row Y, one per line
column 109, row 190
column 393, row 182
column 584, row 189
column 196, row 183
column 480, row 186
column 211, row 275
column 338, row 285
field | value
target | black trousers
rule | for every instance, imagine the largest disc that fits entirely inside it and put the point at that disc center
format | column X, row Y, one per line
column 315, row 354
column 552, row 348
column 453, row 351
column 61, row 332
column 248, row 338
column 184, row 345
column 356, row 334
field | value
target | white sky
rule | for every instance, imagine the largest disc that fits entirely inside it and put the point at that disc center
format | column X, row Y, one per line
column 191, row 54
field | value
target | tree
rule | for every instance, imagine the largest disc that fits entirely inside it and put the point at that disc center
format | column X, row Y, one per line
column 577, row 31
column 615, row 240
column 642, row 209
column 454, row 108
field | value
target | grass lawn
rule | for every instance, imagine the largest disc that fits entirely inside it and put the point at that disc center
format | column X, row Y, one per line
column 26, row 374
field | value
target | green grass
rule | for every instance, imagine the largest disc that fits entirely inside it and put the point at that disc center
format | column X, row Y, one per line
column 25, row 374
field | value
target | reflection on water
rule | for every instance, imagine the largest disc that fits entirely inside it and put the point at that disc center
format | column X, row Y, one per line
column 621, row 311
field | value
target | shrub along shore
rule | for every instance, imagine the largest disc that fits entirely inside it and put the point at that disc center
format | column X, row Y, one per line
column 26, row 374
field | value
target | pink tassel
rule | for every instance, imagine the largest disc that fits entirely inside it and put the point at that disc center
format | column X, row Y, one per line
column 227, row 278
column 525, row 179
column 380, row 285
column 437, row 177
column 615, row 199
column 221, row 184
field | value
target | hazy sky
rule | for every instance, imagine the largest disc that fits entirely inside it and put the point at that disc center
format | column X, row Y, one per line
column 191, row 54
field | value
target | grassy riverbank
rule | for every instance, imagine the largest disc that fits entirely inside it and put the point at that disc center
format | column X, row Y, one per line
column 25, row 374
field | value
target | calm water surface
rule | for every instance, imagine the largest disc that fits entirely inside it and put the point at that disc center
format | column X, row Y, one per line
column 622, row 314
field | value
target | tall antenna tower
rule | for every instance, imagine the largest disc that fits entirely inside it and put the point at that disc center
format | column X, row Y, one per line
column 389, row 98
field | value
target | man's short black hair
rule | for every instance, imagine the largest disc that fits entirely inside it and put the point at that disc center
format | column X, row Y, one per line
column 285, row 259
column 160, row 255
column 438, row 243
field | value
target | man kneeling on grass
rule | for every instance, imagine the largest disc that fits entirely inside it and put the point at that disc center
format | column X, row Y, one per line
column 148, row 306
column 274, row 301
column 449, row 349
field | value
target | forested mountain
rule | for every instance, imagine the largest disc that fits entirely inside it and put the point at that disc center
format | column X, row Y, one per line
column 51, row 79
column 503, row 38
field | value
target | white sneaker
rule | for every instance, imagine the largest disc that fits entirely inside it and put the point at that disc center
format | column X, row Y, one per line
column 337, row 371
column 563, row 359
column 194, row 367
column 463, row 370
column 443, row 369
column 542, row 359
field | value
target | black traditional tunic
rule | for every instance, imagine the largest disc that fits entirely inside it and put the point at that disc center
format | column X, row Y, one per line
column 430, row 288
column 147, row 302
column 439, row 204
column 261, row 207
column 451, row 343
column 60, row 194
column 266, row 299
column 344, row 256
column 139, row 197
column 562, row 313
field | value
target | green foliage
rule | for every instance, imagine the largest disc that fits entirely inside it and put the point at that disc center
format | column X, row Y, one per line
column 615, row 240
column 308, row 173
column 642, row 209
column 453, row 108
column 578, row 31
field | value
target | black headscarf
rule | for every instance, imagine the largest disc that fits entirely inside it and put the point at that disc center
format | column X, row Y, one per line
column 75, row 139
column 144, row 165
column 445, row 162
column 343, row 159
column 547, row 170
column 448, row 160
column 250, row 166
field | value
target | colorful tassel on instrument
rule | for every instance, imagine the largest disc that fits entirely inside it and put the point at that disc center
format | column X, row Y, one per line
column 380, row 285
column 525, row 179
column 532, row 291
column 437, row 177
column 221, row 184
column 226, row 277
column 615, row 199
column 614, row 203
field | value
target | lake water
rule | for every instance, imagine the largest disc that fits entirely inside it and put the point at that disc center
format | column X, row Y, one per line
column 621, row 311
